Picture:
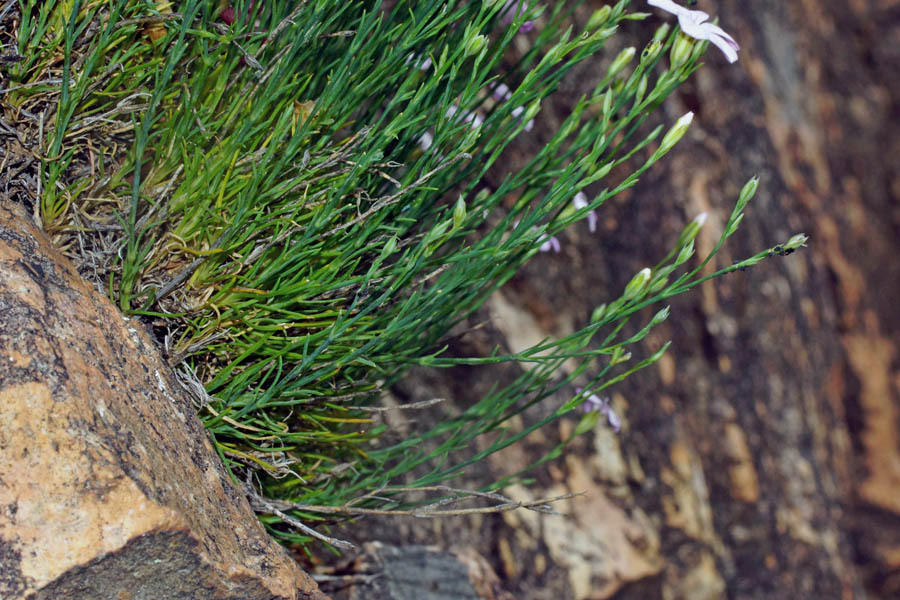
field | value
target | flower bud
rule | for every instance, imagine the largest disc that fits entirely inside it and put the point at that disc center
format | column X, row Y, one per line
column 641, row 90
column 637, row 284
column 734, row 225
column 475, row 45
column 599, row 174
column 607, row 103
column 468, row 142
column 390, row 247
column 568, row 128
column 598, row 313
column 660, row 279
column 748, row 191
column 676, row 133
column 681, row 51
column 602, row 34
column 686, row 252
column 533, row 109
column 658, row 284
column 659, row 317
column 797, row 241
column 621, row 61
column 437, row 231
column 599, row 18
column 661, row 32
column 651, row 51
column 619, row 356
column 691, row 230
column 459, row 212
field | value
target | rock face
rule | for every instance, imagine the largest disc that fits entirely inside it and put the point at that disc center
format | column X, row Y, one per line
column 385, row 572
column 109, row 485
column 760, row 458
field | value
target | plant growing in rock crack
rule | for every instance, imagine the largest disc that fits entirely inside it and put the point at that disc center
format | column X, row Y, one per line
column 291, row 194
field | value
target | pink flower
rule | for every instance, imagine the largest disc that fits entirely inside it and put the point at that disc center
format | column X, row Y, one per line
column 693, row 23
column 229, row 15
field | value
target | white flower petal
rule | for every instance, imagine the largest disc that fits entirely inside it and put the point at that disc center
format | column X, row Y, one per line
column 691, row 22
column 694, row 23
column 667, row 5
column 727, row 48
column 715, row 30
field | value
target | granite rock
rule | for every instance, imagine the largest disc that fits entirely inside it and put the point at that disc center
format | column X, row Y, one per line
column 109, row 484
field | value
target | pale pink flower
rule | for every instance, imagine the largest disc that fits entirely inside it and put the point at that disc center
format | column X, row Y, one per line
column 517, row 112
column 580, row 201
column 694, row 23
column 512, row 9
column 595, row 402
column 473, row 119
column 501, row 92
column 422, row 65
column 550, row 243
column 425, row 141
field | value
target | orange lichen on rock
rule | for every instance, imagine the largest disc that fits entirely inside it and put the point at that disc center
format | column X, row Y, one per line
column 109, row 484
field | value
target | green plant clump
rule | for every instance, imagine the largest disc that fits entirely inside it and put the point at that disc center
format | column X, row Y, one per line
column 293, row 192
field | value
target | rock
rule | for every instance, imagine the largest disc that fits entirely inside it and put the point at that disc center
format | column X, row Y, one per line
column 414, row 572
column 109, row 485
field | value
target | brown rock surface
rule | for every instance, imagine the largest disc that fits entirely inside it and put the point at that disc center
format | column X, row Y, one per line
column 761, row 459
column 109, row 486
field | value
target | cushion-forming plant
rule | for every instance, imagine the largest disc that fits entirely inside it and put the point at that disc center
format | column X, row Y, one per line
column 292, row 194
